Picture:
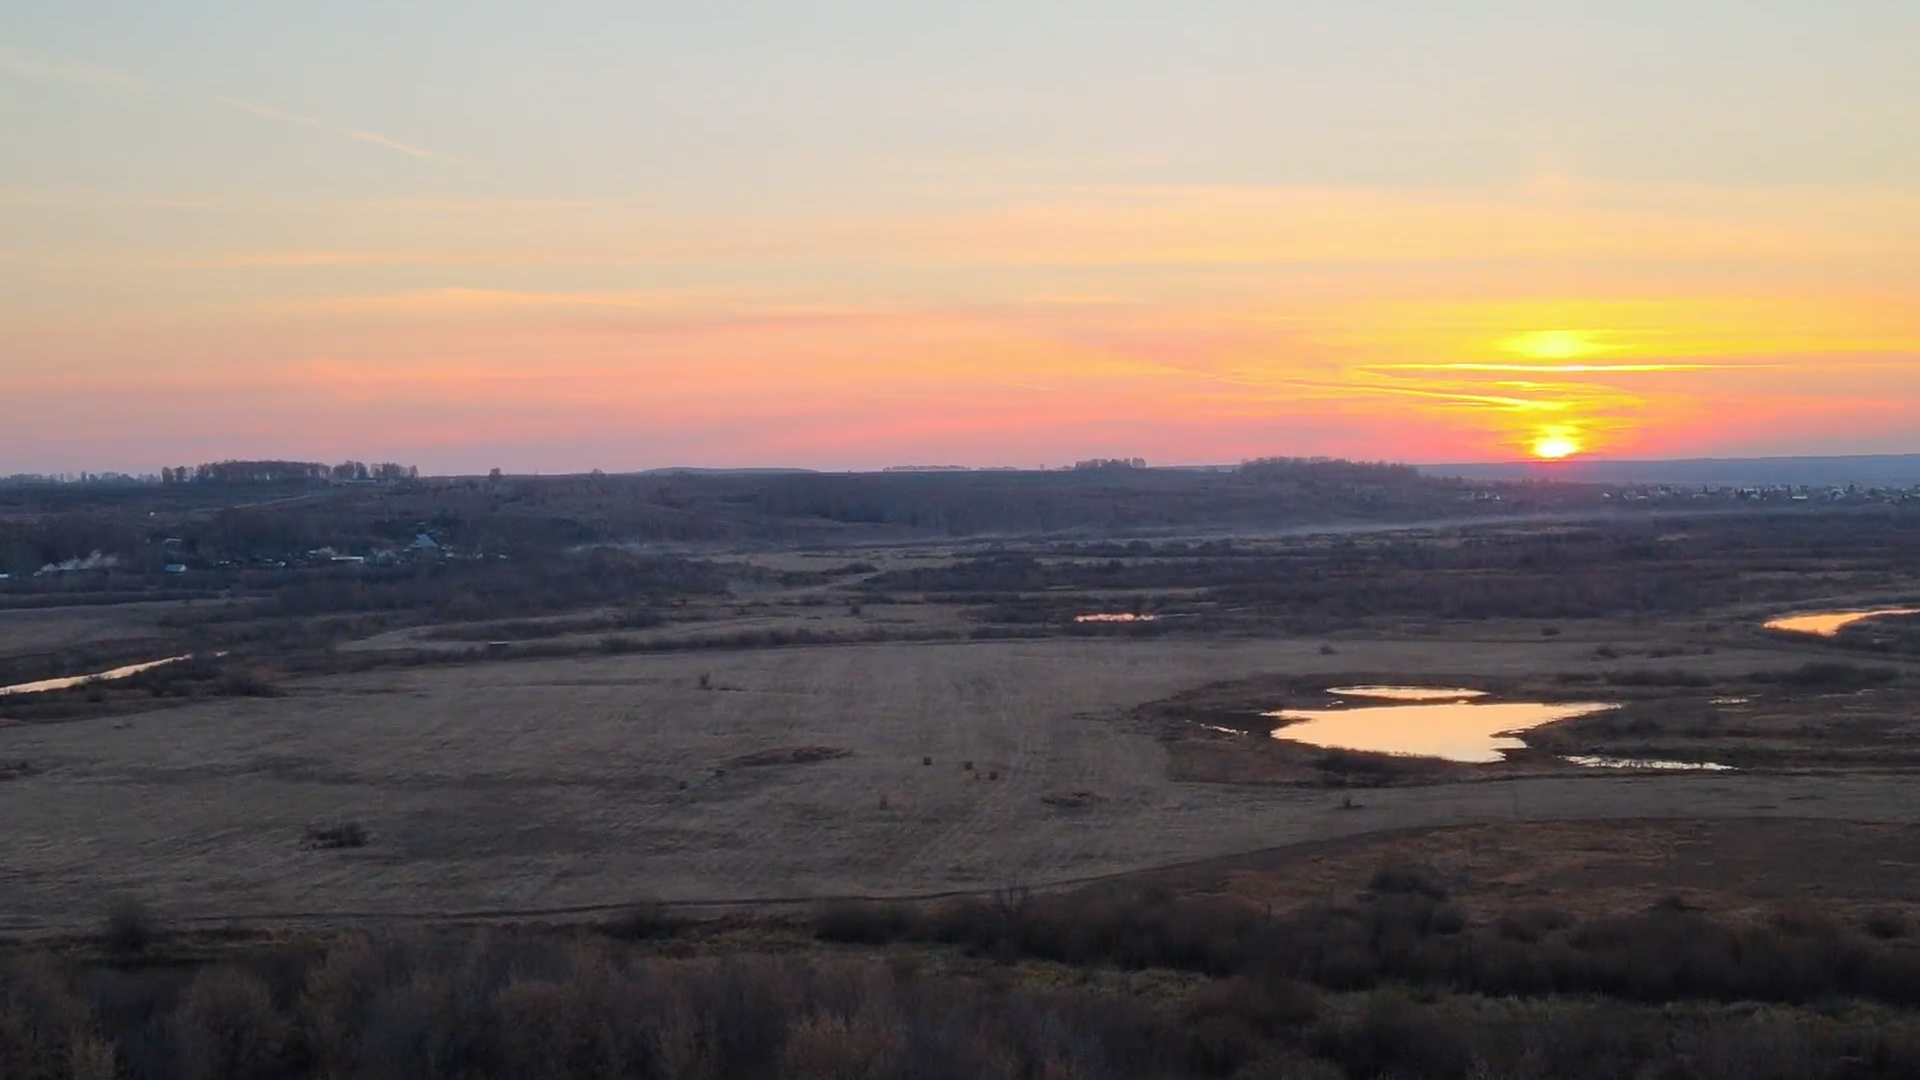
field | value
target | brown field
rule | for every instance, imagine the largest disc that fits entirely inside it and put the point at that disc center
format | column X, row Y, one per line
column 49, row 632
column 792, row 774
column 1743, row 870
column 627, row 759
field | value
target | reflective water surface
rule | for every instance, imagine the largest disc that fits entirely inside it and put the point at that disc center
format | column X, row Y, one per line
column 1455, row 730
column 1829, row 623
column 1407, row 693
column 1592, row 761
column 67, row 683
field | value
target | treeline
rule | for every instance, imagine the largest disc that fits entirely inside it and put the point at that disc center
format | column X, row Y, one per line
column 528, row 515
column 286, row 472
column 505, row 1008
column 1114, row 982
column 85, row 479
column 1405, row 930
column 1103, row 497
column 1333, row 470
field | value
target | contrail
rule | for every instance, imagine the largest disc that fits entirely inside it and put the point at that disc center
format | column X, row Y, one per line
column 373, row 137
column 62, row 72
column 73, row 74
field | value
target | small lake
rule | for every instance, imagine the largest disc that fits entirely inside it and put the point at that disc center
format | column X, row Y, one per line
column 1453, row 729
column 71, row 681
column 1830, row 623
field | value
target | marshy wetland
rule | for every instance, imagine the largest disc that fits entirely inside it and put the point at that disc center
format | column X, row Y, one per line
column 914, row 753
column 560, row 731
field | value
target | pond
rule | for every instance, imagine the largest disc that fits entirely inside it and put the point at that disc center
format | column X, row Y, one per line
column 1453, row 729
column 69, row 682
column 1830, row 623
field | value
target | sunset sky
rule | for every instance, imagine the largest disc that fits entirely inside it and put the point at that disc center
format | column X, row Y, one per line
column 853, row 233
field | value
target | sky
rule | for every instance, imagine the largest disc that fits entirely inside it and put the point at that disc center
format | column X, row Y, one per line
column 853, row 233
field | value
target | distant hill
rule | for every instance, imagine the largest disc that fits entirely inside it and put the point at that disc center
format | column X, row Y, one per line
column 1895, row 469
column 702, row 470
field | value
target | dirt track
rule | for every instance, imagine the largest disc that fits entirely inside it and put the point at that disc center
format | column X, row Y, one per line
column 598, row 781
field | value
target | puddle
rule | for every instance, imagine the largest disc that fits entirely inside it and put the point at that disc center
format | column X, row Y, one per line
column 1830, row 623
column 1407, row 693
column 1592, row 761
column 1114, row 616
column 1455, row 730
column 71, row 681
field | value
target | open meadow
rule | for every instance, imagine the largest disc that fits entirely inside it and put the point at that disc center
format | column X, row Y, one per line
column 495, row 793
column 780, row 774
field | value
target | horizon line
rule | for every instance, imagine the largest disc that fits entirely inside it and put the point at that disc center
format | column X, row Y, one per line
column 1549, row 465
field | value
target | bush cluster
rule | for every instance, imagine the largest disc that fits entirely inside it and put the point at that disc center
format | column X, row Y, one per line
column 1405, row 931
column 549, row 1008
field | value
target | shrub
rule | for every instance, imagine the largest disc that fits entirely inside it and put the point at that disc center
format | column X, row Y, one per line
column 226, row 1027
column 1887, row 924
column 1406, row 878
column 129, row 928
column 1827, row 675
column 859, row 922
column 42, row 1021
column 246, row 684
column 1528, row 927
column 1655, row 677
column 1267, row 1006
column 346, row 834
column 643, row 922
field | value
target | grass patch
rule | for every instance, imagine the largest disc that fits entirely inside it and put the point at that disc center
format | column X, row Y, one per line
column 792, row 755
column 336, row 837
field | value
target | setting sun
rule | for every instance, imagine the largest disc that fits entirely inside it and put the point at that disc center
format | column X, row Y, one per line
column 1555, row 344
column 1555, row 445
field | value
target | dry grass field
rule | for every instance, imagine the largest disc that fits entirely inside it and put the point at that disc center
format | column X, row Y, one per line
column 1745, row 871
column 761, row 775
column 50, row 632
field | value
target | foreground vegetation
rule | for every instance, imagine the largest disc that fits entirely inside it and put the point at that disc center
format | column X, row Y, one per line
column 1113, row 983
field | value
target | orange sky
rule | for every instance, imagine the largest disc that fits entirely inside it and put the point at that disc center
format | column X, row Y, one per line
column 190, row 271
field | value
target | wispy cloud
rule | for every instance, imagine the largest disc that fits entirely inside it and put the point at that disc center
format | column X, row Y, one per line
column 361, row 134
column 70, row 73
column 63, row 72
column 1556, row 369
